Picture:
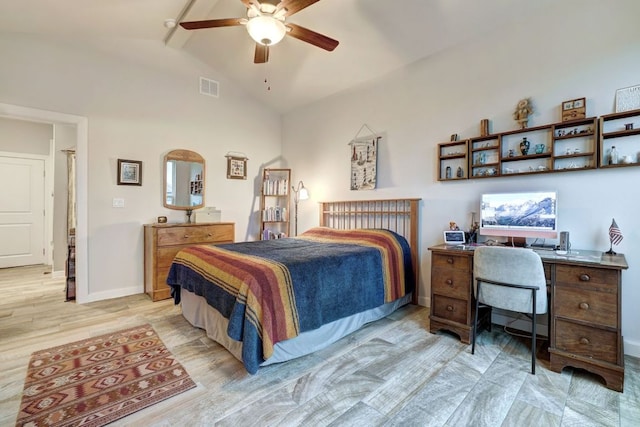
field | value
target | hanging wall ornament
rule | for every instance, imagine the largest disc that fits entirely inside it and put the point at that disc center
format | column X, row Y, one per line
column 364, row 155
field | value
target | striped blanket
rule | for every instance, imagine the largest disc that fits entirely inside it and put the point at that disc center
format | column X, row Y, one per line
column 273, row 290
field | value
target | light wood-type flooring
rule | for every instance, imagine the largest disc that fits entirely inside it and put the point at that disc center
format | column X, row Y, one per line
column 391, row 373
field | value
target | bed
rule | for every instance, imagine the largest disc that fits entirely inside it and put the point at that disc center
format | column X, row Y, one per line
column 275, row 300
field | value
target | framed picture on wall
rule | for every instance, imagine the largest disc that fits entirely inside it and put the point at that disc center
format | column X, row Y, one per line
column 574, row 109
column 129, row 172
column 236, row 167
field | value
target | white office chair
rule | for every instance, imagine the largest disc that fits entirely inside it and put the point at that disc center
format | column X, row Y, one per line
column 510, row 279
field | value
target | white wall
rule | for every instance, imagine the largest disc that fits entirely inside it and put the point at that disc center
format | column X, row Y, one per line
column 585, row 49
column 140, row 106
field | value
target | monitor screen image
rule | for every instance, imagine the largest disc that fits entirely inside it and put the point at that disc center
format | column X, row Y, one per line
column 530, row 214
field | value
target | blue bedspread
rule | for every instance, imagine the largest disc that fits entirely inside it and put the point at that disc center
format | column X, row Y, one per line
column 318, row 282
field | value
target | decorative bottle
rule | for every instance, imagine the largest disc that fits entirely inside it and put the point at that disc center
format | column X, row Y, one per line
column 613, row 156
column 448, row 172
column 524, row 146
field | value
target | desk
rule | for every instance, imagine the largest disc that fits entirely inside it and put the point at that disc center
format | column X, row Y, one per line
column 585, row 309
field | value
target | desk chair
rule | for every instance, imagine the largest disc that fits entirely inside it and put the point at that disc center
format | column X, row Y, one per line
column 510, row 279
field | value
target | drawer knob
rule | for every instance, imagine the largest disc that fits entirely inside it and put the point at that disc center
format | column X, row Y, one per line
column 449, row 308
column 209, row 235
column 449, row 282
column 583, row 306
column 186, row 236
column 450, row 260
column 584, row 341
column 584, row 278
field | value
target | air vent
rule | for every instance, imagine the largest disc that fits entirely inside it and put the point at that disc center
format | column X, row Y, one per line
column 209, row 87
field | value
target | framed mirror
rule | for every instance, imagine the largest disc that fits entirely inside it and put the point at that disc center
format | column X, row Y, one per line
column 184, row 177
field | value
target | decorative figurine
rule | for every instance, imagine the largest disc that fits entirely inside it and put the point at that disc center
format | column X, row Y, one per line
column 523, row 110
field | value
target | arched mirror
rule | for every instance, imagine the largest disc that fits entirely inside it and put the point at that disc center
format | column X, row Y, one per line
column 183, row 180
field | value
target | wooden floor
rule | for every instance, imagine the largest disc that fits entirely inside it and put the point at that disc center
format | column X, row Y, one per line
column 391, row 373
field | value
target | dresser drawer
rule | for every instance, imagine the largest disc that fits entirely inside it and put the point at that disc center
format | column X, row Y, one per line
column 445, row 261
column 590, row 306
column 214, row 233
column 588, row 277
column 451, row 282
column 164, row 256
column 587, row 341
column 450, row 308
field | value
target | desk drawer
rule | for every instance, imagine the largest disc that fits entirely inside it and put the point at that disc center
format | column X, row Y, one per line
column 586, row 341
column 450, row 308
column 451, row 282
column 445, row 261
column 214, row 233
column 590, row 306
column 587, row 277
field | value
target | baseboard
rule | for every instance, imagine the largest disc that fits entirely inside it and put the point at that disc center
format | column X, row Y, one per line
column 424, row 301
column 632, row 348
column 115, row 293
column 58, row 274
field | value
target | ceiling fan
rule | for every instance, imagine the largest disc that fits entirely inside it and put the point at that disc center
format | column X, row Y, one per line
column 266, row 24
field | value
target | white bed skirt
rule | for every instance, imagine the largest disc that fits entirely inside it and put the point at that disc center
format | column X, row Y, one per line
column 201, row 315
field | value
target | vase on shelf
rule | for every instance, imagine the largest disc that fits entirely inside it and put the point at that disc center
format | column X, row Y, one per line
column 524, row 146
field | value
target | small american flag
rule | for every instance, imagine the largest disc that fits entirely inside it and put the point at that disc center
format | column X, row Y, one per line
column 615, row 235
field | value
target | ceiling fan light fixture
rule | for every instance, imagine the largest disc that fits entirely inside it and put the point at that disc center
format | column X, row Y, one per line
column 266, row 30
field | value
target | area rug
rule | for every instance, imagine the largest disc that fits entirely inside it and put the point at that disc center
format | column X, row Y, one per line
column 98, row 380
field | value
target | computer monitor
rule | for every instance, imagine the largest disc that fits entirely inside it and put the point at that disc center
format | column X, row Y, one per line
column 524, row 214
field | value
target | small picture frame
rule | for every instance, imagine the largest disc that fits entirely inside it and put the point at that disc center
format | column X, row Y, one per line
column 574, row 109
column 129, row 172
column 236, row 167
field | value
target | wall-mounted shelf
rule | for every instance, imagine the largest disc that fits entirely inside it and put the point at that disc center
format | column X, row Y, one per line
column 621, row 130
column 567, row 146
column 452, row 160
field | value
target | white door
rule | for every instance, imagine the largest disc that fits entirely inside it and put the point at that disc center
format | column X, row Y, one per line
column 21, row 211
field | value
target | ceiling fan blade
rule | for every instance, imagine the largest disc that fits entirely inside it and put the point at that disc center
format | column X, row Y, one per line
column 211, row 23
column 312, row 37
column 294, row 6
column 262, row 54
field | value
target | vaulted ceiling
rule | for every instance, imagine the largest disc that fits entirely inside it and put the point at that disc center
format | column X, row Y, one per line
column 376, row 36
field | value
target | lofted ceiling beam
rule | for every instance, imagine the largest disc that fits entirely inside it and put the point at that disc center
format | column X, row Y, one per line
column 177, row 36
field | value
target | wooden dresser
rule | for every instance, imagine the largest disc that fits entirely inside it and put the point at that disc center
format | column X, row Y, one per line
column 163, row 241
column 585, row 308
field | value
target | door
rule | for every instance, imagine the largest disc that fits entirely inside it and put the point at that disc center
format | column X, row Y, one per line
column 21, row 211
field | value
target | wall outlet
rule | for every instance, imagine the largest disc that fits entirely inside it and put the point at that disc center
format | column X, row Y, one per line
column 118, row 203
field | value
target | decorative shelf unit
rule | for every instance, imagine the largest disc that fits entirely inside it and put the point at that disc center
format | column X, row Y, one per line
column 274, row 203
column 484, row 156
column 575, row 145
column 452, row 159
column 557, row 147
column 195, row 187
column 615, row 131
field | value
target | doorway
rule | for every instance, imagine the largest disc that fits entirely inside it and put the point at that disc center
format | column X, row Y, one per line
column 80, row 124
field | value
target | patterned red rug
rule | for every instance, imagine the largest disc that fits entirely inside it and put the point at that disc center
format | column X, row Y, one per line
column 99, row 380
